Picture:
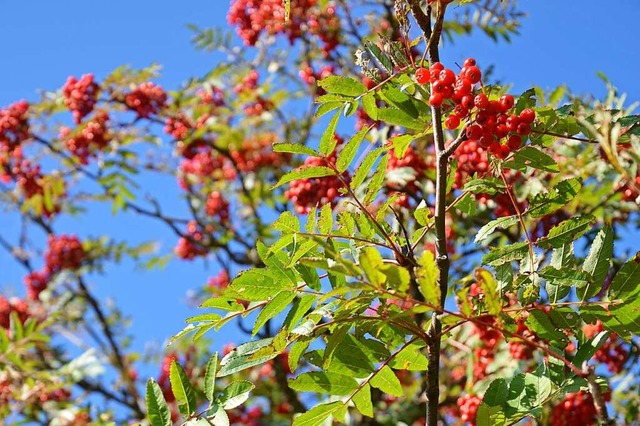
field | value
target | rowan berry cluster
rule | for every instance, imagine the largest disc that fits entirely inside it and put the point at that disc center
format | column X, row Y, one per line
column 258, row 107
column 146, row 99
column 191, row 245
column 517, row 348
column 178, row 126
column 91, row 137
column 203, row 163
column 612, row 353
column 253, row 17
column 307, row 193
column 219, row 282
column 214, row 96
column 80, row 95
column 576, row 409
column 416, row 165
column 256, row 153
column 36, row 282
column 64, row 252
column 7, row 306
column 217, row 207
column 468, row 405
column 491, row 124
column 311, row 77
column 14, row 127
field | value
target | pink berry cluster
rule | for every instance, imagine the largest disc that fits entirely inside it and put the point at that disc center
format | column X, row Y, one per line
column 492, row 124
column 93, row 136
column 219, row 282
column 191, row 245
column 217, row 207
column 307, row 193
column 146, row 99
column 80, row 95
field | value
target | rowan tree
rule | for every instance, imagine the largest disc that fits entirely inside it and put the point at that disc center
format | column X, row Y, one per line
column 401, row 240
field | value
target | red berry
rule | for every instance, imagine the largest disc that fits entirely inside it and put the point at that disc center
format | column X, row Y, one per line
column 452, row 122
column 474, row 74
column 437, row 66
column 447, row 76
column 528, row 115
column 524, row 129
column 467, row 102
column 507, row 102
column 513, row 122
column 422, row 75
column 481, row 101
column 474, row 132
column 469, row 62
column 501, row 131
column 436, row 99
column 514, row 142
column 460, row 111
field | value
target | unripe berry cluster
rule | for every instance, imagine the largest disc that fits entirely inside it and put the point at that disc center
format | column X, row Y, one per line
column 492, row 125
column 307, row 193
column 146, row 99
column 80, row 95
column 92, row 137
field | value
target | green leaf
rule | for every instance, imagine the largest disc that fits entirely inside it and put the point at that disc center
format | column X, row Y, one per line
column 427, row 278
column 421, row 213
column 400, row 118
column 158, row 411
column 328, row 140
column 566, row 232
column 371, row 262
column 540, row 323
column 295, row 148
column 341, row 85
column 565, row 277
column 365, row 167
column 488, row 186
column 362, row 401
column 490, row 416
column 377, row 180
column 401, row 143
column 349, row 151
column 182, row 389
column 560, row 196
column 235, row 394
column 369, row 105
column 626, row 283
column 490, row 289
column 350, row 359
column 496, row 394
column 258, row 284
column 398, row 277
column 317, row 415
column 210, row 377
column 410, row 358
column 274, row 307
column 387, row 381
column 297, row 350
column 533, row 157
column 597, row 263
column 381, row 56
column 500, row 223
column 506, row 254
column 588, row 349
column 324, row 382
column 305, row 172
column 299, row 308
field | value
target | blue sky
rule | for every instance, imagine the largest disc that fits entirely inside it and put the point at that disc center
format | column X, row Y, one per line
column 45, row 42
